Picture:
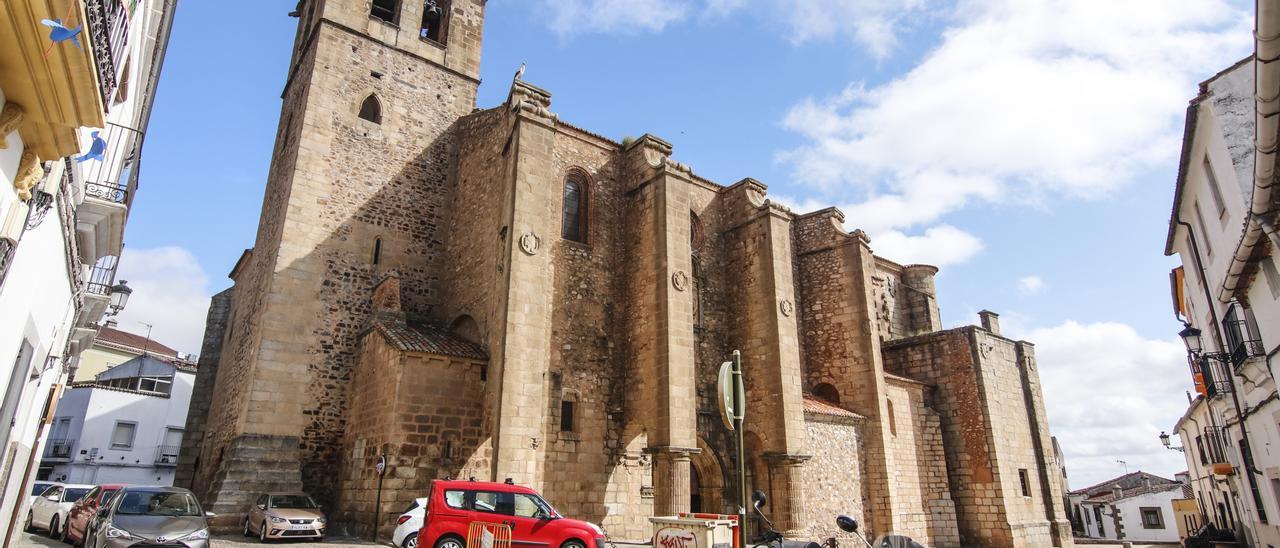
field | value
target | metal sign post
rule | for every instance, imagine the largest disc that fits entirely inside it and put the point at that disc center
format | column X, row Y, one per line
column 733, row 407
column 381, row 468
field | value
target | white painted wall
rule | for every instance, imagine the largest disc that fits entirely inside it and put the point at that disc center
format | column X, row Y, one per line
column 1131, row 516
column 94, row 412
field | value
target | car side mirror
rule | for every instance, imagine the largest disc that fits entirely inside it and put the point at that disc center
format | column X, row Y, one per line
column 759, row 499
column 262, row 506
column 53, row 498
column 847, row 524
column 102, row 512
column 210, row 515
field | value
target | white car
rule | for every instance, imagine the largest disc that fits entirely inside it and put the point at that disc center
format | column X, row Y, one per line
column 409, row 522
column 49, row 511
column 38, row 488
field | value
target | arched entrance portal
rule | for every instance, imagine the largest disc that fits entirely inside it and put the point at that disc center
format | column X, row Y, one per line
column 706, row 481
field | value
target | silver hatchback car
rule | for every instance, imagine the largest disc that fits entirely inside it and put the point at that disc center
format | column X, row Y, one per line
column 149, row 516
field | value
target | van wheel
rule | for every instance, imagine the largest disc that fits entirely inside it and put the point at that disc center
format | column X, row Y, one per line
column 53, row 527
column 573, row 544
column 410, row 541
column 449, row 542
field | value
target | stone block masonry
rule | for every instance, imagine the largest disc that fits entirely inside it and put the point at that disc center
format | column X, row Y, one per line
column 500, row 294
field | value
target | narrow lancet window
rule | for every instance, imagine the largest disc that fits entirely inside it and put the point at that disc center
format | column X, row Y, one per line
column 574, row 219
column 385, row 10
column 434, row 15
column 371, row 110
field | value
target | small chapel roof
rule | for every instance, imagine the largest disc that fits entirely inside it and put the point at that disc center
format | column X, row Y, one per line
column 420, row 337
column 815, row 405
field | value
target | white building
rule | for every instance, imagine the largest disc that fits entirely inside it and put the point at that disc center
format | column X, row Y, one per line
column 1227, row 290
column 125, row 426
column 1140, row 514
column 61, row 220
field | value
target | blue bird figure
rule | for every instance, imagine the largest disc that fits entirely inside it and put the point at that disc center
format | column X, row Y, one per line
column 60, row 33
column 95, row 150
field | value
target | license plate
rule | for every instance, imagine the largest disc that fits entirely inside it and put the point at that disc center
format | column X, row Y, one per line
column 300, row 527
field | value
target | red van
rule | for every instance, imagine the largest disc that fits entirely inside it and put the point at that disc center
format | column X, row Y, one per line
column 453, row 505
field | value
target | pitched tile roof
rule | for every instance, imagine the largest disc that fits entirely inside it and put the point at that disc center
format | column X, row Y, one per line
column 1127, row 481
column 129, row 341
column 417, row 337
column 1110, row 496
column 814, row 405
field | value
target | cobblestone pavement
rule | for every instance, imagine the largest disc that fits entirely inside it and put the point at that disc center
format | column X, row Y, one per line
column 28, row 540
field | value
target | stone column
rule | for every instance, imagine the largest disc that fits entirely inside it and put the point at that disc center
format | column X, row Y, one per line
column 671, row 480
column 787, row 493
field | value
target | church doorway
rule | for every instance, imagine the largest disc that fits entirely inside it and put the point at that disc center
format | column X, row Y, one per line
column 706, row 481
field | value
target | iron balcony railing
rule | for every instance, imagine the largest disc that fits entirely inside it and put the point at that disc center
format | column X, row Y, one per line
column 108, row 22
column 110, row 171
column 1217, row 379
column 1213, row 449
column 102, row 276
column 114, row 194
column 1242, row 339
column 167, row 455
column 8, row 249
column 59, row 448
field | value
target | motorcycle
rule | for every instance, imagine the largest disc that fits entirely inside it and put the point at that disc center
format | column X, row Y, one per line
column 772, row 538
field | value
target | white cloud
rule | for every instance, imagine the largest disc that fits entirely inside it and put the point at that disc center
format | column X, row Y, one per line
column 168, row 293
column 569, row 17
column 939, row 246
column 1022, row 100
column 1030, row 285
column 874, row 25
column 1109, row 392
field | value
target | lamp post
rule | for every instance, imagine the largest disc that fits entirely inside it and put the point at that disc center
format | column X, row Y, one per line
column 119, row 297
column 1164, row 439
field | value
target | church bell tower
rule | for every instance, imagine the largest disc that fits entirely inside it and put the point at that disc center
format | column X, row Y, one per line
column 358, row 188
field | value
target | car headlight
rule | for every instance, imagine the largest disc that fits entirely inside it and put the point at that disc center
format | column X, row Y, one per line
column 198, row 535
column 278, row 520
column 320, row 521
column 597, row 528
column 116, row 532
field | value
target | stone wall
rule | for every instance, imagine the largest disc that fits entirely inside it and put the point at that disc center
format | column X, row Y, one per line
column 424, row 413
column 215, row 331
column 922, row 503
column 833, row 477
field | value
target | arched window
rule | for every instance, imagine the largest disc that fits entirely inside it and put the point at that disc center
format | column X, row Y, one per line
column 371, row 109
column 574, row 219
column 893, row 421
column 377, row 250
column 828, row 393
column 386, row 10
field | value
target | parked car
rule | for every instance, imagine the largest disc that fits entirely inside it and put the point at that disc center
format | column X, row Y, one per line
column 83, row 512
column 284, row 515
column 408, row 524
column 38, row 488
column 149, row 515
column 49, row 511
column 453, row 505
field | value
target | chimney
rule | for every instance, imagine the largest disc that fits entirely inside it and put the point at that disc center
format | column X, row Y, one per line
column 386, row 297
column 1147, row 482
column 112, row 323
column 990, row 321
column 1117, row 491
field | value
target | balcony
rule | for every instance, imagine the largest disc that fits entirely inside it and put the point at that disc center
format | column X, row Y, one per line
column 56, row 86
column 108, row 28
column 97, row 291
column 1212, row 450
column 108, row 191
column 1242, row 337
column 59, row 449
column 8, row 248
column 1217, row 379
column 167, row 455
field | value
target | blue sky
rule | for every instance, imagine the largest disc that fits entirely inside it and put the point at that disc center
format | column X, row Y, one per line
column 1027, row 146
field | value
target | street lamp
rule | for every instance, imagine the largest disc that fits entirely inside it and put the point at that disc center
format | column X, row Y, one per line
column 1191, row 337
column 1164, row 438
column 119, row 297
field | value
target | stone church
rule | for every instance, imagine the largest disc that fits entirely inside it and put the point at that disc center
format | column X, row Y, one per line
column 498, row 293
